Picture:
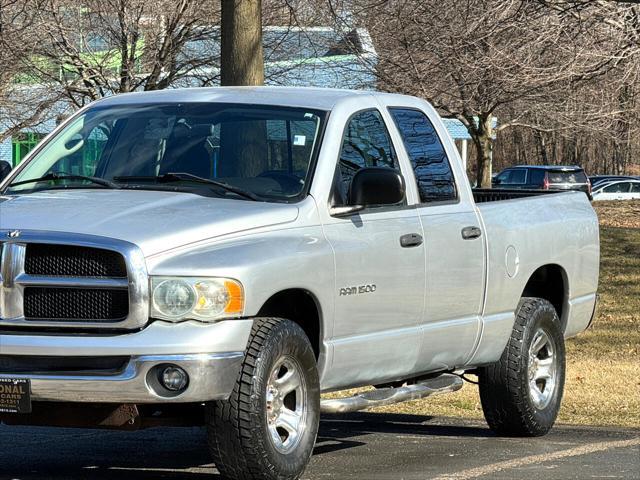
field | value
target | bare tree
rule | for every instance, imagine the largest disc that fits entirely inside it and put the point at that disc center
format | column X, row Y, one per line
column 19, row 106
column 65, row 54
column 93, row 48
column 484, row 58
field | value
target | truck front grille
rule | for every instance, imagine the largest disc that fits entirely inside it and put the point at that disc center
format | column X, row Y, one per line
column 98, row 305
column 65, row 281
column 72, row 261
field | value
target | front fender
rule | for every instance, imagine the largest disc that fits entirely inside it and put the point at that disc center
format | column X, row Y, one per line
column 265, row 263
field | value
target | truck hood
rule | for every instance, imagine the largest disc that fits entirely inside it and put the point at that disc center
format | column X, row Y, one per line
column 155, row 221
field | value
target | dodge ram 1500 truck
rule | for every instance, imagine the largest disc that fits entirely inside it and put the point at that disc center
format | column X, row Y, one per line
column 222, row 256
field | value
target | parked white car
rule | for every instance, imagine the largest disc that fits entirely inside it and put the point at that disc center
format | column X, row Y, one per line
column 618, row 190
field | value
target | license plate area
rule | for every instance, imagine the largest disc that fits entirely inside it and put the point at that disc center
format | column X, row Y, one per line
column 15, row 395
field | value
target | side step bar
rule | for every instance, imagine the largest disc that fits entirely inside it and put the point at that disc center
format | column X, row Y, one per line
column 445, row 383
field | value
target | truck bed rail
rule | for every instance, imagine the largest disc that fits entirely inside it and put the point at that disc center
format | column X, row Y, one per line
column 483, row 195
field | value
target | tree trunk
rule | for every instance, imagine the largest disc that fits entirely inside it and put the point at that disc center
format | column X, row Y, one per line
column 242, row 145
column 541, row 146
column 242, row 60
column 484, row 150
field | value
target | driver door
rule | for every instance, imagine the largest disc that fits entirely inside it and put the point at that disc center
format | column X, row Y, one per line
column 379, row 290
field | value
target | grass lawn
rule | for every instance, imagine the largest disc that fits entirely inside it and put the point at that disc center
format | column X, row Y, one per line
column 603, row 364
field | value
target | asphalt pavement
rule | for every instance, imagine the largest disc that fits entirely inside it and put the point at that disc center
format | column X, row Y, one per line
column 364, row 446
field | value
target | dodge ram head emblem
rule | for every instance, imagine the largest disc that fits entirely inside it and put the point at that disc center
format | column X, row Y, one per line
column 14, row 234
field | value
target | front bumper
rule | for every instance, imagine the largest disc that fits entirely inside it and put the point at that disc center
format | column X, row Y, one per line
column 210, row 354
column 211, row 377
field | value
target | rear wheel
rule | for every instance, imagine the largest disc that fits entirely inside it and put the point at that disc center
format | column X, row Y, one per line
column 522, row 392
column 268, row 427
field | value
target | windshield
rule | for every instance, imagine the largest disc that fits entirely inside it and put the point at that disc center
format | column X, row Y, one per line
column 260, row 152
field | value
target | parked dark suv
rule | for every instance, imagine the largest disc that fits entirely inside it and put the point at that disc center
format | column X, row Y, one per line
column 543, row 177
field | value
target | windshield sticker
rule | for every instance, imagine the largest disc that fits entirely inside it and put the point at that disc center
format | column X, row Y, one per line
column 299, row 140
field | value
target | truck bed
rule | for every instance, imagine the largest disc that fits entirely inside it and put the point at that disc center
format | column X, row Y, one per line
column 559, row 230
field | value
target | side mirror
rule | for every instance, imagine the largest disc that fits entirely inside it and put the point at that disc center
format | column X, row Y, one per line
column 376, row 186
column 496, row 181
column 5, row 170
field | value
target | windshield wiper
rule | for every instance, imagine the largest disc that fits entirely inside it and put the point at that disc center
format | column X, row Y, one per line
column 52, row 176
column 176, row 177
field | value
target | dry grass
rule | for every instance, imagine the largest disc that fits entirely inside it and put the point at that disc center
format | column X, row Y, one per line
column 623, row 214
column 603, row 364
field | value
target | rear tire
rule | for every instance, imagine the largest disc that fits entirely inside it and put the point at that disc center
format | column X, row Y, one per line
column 522, row 392
column 267, row 428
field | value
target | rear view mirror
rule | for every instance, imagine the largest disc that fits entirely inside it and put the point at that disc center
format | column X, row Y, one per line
column 5, row 170
column 376, row 186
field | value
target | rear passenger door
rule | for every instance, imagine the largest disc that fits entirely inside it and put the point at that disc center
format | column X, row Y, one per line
column 536, row 179
column 454, row 248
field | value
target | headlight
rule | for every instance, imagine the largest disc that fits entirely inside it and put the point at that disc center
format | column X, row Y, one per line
column 207, row 299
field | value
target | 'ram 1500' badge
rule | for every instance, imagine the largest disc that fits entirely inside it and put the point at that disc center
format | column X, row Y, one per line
column 357, row 290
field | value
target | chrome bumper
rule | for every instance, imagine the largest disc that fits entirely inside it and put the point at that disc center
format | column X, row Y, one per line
column 212, row 375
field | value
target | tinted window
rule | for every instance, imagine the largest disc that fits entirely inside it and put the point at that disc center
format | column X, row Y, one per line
column 536, row 177
column 577, row 176
column 621, row 187
column 513, row 175
column 503, row 176
column 635, row 187
column 428, row 158
column 517, row 176
column 366, row 143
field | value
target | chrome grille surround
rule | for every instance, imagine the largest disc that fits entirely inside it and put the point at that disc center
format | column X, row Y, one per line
column 13, row 280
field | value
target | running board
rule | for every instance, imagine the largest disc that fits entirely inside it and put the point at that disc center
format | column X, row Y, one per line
column 445, row 383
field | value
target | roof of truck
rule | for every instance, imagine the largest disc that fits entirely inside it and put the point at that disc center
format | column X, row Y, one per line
column 309, row 97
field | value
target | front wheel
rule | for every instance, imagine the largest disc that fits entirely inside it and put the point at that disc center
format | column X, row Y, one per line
column 268, row 427
column 522, row 392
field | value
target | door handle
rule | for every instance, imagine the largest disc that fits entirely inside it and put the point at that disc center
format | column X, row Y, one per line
column 469, row 233
column 410, row 240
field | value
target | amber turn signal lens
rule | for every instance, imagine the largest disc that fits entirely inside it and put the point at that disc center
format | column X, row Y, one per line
column 236, row 298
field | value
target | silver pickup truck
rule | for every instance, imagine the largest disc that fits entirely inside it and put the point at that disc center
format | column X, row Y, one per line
column 223, row 256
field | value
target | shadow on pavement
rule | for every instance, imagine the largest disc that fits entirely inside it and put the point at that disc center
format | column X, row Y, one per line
column 170, row 453
column 30, row 453
column 337, row 431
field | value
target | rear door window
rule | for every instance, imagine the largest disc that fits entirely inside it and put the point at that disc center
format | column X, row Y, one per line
column 429, row 160
column 536, row 177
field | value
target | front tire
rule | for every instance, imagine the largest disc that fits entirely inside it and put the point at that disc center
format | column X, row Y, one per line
column 522, row 392
column 268, row 427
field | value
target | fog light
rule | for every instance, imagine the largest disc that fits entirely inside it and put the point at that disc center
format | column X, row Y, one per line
column 174, row 378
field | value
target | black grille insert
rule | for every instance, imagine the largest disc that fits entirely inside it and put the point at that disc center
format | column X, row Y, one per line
column 73, row 261
column 49, row 365
column 96, row 305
